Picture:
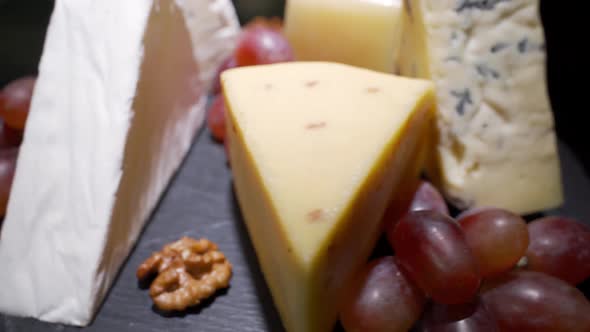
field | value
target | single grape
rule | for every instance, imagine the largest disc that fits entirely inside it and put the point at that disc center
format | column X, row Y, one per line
column 10, row 137
column 260, row 45
column 428, row 198
column 498, row 239
column 560, row 247
column 381, row 298
column 216, row 118
column 419, row 196
column 432, row 247
column 467, row 317
column 228, row 63
column 526, row 301
column 15, row 100
column 7, row 167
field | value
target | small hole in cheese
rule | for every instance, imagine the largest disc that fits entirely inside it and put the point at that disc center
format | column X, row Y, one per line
column 315, row 125
column 311, row 84
column 315, row 215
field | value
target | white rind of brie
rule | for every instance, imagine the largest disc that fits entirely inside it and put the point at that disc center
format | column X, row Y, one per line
column 120, row 96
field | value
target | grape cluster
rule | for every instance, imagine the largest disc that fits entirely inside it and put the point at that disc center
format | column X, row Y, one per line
column 486, row 270
column 15, row 101
column 260, row 42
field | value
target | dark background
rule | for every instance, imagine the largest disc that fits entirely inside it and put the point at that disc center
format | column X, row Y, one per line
column 23, row 24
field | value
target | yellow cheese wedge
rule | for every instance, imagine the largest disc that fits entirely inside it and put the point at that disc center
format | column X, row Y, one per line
column 362, row 33
column 317, row 151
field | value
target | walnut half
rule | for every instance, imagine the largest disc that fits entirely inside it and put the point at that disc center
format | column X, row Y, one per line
column 188, row 271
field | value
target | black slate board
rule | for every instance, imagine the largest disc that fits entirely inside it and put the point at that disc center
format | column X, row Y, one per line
column 200, row 203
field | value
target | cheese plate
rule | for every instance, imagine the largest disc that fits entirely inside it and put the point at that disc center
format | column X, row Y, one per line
column 200, row 202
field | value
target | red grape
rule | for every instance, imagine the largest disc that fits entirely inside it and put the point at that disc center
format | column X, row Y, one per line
column 15, row 100
column 262, row 45
column 216, row 118
column 532, row 301
column 498, row 239
column 560, row 247
column 7, row 167
column 228, row 63
column 428, row 198
column 381, row 298
column 10, row 137
column 432, row 247
column 418, row 196
column 468, row 317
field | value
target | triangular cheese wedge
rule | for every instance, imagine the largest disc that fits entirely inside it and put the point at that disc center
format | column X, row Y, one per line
column 317, row 151
column 121, row 93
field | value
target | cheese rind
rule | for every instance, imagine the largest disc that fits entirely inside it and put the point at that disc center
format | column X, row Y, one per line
column 317, row 151
column 120, row 95
column 361, row 33
column 495, row 144
column 213, row 25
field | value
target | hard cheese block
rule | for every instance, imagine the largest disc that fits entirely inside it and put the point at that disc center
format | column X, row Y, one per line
column 356, row 32
column 317, row 151
column 120, row 95
column 496, row 142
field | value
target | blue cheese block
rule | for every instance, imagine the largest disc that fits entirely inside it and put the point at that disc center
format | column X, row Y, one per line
column 495, row 144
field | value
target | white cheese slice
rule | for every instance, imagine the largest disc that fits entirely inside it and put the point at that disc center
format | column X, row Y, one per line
column 496, row 143
column 119, row 98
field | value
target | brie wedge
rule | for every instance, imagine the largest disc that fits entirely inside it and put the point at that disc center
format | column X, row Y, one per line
column 120, row 96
